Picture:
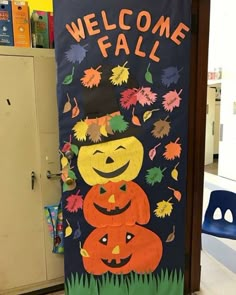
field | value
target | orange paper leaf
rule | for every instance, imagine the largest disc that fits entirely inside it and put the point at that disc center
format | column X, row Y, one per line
column 173, row 150
column 135, row 119
column 177, row 194
column 75, row 110
column 92, row 77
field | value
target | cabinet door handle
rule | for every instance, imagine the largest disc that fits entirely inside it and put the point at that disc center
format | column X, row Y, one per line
column 33, row 177
column 52, row 175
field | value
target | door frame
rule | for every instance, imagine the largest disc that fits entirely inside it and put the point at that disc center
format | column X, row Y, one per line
column 196, row 142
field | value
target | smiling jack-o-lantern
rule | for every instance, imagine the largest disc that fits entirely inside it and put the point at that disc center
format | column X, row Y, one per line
column 116, row 160
column 121, row 250
column 116, row 203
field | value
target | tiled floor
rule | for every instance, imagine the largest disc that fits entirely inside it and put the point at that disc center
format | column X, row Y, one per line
column 216, row 279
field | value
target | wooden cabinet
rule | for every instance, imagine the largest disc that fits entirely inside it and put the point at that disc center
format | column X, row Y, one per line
column 29, row 144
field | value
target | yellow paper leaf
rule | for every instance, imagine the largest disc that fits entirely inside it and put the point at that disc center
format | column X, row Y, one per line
column 174, row 174
column 64, row 162
column 68, row 231
column 80, row 130
column 103, row 131
column 84, row 253
column 163, row 209
column 147, row 115
column 120, row 75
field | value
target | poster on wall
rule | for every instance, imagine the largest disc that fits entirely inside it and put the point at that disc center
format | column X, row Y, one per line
column 123, row 90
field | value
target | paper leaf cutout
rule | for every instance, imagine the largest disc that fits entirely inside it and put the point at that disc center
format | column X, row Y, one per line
column 120, row 75
column 80, row 130
column 148, row 75
column 77, row 233
column 163, row 209
column 71, row 174
column 64, row 162
column 67, row 106
column 66, row 147
column 83, row 252
column 118, row 123
column 109, row 130
column 94, row 132
column 154, row 175
column 177, row 194
column 65, row 187
column 175, row 173
column 161, row 129
column 135, row 119
column 68, row 229
column 145, row 96
column 171, row 236
column 92, row 77
column 148, row 114
column 103, row 130
column 152, row 152
column 171, row 100
column 75, row 110
column 69, row 78
column 173, row 150
column 170, row 75
column 75, row 149
column 76, row 53
column 74, row 203
column 129, row 98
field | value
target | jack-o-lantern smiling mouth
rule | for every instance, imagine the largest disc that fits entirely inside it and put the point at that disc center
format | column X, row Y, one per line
column 115, row 211
column 114, row 173
column 114, row 264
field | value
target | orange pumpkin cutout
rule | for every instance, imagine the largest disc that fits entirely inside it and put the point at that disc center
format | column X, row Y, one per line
column 116, row 204
column 122, row 249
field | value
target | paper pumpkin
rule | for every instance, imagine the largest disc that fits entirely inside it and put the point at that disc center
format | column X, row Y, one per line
column 114, row 161
column 116, row 204
column 122, row 249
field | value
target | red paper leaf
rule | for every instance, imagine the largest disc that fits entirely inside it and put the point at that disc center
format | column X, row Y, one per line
column 171, row 100
column 152, row 152
column 129, row 98
column 146, row 96
column 74, row 203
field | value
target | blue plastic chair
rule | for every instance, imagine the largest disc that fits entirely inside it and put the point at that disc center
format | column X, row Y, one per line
column 224, row 200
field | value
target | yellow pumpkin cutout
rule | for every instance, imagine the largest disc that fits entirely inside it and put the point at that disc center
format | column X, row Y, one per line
column 114, row 161
column 116, row 203
column 122, row 249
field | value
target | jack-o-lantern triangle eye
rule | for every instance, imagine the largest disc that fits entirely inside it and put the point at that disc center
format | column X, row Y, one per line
column 129, row 237
column 102, row 190
column 104, row 240
column 123, row 188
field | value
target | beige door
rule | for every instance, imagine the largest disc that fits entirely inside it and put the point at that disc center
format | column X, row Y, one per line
column 22, row 253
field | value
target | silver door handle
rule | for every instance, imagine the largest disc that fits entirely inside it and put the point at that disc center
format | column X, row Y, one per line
column 52, row 175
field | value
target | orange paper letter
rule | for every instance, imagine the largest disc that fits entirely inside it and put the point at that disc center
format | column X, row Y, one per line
column 122, row 44
column 91, row 24
column 146, row 15
column 122, row 24
column 77, row 32
column 153, row 52
column 178, row 33
column 103, row 46
column 138, row 52
column 164, row 26
column 107, row 26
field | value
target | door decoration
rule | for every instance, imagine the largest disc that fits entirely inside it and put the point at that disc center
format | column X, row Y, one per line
column 122, row 98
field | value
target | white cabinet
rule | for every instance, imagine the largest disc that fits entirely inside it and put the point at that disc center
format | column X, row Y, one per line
column 28, row 143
